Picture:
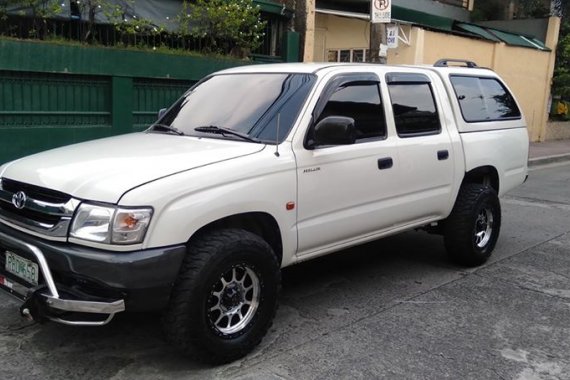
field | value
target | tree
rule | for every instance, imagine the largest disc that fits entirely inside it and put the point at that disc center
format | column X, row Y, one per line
column 497, row 9
column 488, row 10
column 40, row 10
column 116, row 13
column 561, row 79
column 226, row 26
column 92, row 8
column 561, row 7
column 137, row 28
column 532, row 9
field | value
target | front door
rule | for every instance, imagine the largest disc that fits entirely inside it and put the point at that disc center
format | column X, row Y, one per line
column 345, row 192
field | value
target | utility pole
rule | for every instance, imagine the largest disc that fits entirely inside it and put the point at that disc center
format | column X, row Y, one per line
column 380, row 15
column 377, row 37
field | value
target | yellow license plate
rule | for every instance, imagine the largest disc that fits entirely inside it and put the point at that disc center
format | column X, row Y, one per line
column 23, row 268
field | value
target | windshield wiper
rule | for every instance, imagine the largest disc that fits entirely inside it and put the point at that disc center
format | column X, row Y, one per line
column 224, row 131
column 167, row 128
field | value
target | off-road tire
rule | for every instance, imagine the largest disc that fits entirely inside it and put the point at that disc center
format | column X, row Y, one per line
column 474, row 203
column 187, row 322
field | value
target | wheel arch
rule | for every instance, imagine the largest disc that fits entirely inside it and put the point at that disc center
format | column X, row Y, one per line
column 262, row 224
column 485, row 175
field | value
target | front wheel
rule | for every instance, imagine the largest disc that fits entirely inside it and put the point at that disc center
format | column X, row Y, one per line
column 225, row 298
column 472, row 229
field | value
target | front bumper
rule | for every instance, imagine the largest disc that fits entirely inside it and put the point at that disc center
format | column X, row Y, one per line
column 84, row 286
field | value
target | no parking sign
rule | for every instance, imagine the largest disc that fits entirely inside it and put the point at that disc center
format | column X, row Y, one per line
column 381, row 11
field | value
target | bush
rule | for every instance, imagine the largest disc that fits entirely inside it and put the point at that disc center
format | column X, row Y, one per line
column 225, row 26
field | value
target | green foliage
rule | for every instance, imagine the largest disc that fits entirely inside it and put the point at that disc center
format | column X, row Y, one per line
column 116, row 15
column 92, row 8
column 226, row 26
column 487, row 10
column 561, row 79
column 138, row 26
column 533, row 8
column 218, row 27
column 3, row 13
column 561, row 7
column 40, row 11
column 40, row 8
column 495, row 9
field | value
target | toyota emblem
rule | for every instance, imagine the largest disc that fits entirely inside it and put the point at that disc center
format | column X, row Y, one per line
column 19, row 200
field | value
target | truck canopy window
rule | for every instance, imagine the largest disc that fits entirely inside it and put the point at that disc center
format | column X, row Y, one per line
column 484, row 99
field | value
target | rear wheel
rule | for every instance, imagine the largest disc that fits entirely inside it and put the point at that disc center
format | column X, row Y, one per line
column 472, row 229
column 225, row 298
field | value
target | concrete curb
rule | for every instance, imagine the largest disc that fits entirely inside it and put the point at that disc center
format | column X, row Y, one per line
column 548, row 159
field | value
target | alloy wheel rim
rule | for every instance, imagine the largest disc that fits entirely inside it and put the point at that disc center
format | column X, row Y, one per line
column 483, row 227
column 234, row 299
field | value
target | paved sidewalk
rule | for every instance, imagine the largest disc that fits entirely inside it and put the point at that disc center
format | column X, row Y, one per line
column 548, row 152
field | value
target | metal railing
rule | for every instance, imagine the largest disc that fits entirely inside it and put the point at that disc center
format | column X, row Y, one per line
column 25, row 27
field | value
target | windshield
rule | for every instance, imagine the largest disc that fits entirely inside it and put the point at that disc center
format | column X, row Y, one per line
column 249, row 104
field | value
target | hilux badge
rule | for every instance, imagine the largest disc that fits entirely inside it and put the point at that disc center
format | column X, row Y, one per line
column 19, row 200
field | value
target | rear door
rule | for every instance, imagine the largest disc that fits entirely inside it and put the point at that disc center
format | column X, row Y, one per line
column 426, row 157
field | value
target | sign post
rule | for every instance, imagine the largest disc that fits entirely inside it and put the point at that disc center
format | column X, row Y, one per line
column 380, row 15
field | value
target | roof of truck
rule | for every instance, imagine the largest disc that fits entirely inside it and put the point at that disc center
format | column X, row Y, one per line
column 309, row 68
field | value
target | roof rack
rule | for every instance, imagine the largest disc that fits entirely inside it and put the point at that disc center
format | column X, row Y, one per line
column 445, row 63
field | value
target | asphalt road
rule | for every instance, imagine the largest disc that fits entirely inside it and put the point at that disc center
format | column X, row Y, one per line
column 393, row 309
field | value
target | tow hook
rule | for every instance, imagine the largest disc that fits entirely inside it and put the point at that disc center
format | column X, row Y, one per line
column 34, row 307
column 27, row 314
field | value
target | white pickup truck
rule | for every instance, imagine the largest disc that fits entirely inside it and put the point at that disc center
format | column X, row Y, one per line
column 254, row 169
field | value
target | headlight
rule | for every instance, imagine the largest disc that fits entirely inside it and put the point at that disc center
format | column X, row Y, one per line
column 110, row 225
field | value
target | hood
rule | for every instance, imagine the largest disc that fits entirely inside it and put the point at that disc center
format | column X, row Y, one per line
column 103, row 170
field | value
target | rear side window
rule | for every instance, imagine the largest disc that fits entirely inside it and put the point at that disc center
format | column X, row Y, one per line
column 484, row 99
column 414, row 108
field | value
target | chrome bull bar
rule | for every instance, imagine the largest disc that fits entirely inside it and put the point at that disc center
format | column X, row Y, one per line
column 53, row 299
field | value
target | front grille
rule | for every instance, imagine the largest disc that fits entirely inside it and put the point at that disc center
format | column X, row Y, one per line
column 29, row 214
column 35, row 192
column 45, row 211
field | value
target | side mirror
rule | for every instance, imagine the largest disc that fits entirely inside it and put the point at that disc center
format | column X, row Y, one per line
column 335, row 130
column 161, row 113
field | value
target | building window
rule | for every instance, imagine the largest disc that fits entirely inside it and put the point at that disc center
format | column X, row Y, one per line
column 347, row 55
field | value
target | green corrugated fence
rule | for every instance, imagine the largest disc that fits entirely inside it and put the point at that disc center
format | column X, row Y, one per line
column 53, row 95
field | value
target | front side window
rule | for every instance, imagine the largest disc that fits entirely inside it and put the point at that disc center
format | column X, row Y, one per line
column 361, row 102
column 250, row 104
column 414, row 108
column 484, row 99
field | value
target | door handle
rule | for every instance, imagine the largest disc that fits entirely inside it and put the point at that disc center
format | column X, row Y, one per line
column 385, row 163
column 442, row 155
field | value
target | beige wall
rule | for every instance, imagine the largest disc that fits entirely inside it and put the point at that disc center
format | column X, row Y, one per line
column 527, row 72
column 341, row 33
